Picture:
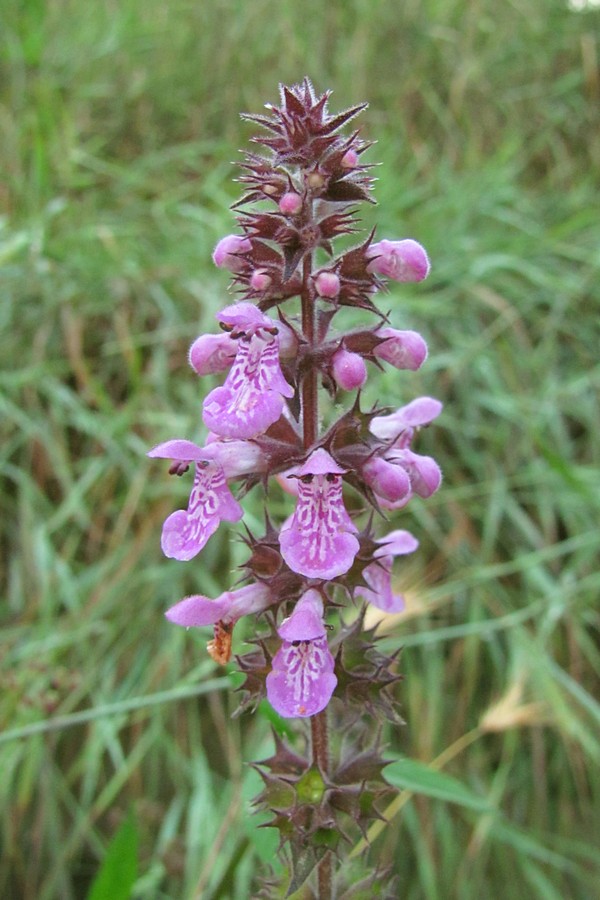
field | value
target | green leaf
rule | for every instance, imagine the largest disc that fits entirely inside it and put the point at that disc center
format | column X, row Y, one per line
column 118, row 873
column 408, row 774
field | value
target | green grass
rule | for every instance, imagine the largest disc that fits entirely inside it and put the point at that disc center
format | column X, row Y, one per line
column 119, row 122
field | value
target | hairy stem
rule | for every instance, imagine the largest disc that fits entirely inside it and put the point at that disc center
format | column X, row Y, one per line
column 310, row 404
column 310, row 428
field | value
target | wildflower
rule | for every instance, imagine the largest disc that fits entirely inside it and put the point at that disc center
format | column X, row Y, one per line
column 402, row 349
column 212, row 353
column 251, row 398
column 399, row 260
column 223, row 613
column 185, row 532
column 302, row 679
column 400, row 427
column 327, row 284
column 227, row 253
column 378, row 574
column 318, row 541
column 290, row 204
column 348, row 369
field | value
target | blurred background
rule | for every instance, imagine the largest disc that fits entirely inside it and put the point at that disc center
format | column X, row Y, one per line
column 119, row 122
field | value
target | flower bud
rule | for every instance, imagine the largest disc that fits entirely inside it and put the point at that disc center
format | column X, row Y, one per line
column 225, row 254
column 212, row 353
column 349, row 159
column 387, row 480
column 260, row 280
column 402, row 349
column 327, row 284
column 399, row 260
column 290, row 204
column 349, row 369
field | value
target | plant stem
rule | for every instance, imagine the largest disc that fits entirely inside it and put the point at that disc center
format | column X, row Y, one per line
column 320, row 741
column 310, row 403
column 310, row 427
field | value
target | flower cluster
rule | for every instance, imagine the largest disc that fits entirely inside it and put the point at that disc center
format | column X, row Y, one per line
column 276, row 347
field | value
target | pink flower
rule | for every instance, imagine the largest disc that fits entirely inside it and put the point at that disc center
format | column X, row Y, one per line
column 302, row 679
column 212, row 353
column 399, row 428
column 348, row 369
column 388, row 480
column 226, row 254
column 327, row 284
column 222, row 613
column 318, row 541
column 260, row 280
column 349, row 159
column 402, row 349
column 197, row 610
column 251, row 398
column 399, row 260
column 290, row 204
column 185, row 532
column 378, row 574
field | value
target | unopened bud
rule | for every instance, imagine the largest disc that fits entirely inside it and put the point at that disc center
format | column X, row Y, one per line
column 226, row 253
column 399, row 260
column 349, row 369
column 327, row 284
column 387, row 480
column 260, row 280
column 349, row 159
column 402, row 349
column 290, row 204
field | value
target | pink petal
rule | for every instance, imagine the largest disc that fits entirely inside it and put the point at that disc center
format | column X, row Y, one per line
column 379, row 591
column 400, row 260
column 348, row 369
column 251, row 398
column 402, row 349
column 387, row 480
column 198, row 610
column 396, row 543
column 306, row 621
column 212, row 353
column 179, row 449
column 185, row 533
column 319, row 463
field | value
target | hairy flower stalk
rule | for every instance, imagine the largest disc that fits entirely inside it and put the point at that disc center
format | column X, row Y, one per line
column 308, row 578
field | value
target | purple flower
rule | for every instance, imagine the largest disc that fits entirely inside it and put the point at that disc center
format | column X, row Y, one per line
column 185, row 532
column 302, row 680
column 223, row 613
column 404, row 421
column 402, row 349
column 197, row 610
column 423, row 472
column 399, row 260
column 251, row 398
column 378, row 574
column 212, row 353
column 348, row 369
column 226, row 254
column 317, row 541
column 386, row 479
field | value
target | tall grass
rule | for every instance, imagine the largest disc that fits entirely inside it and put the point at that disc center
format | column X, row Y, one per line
column 119, row 121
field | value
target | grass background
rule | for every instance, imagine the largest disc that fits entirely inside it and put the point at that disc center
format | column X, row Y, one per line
column 118, row 123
